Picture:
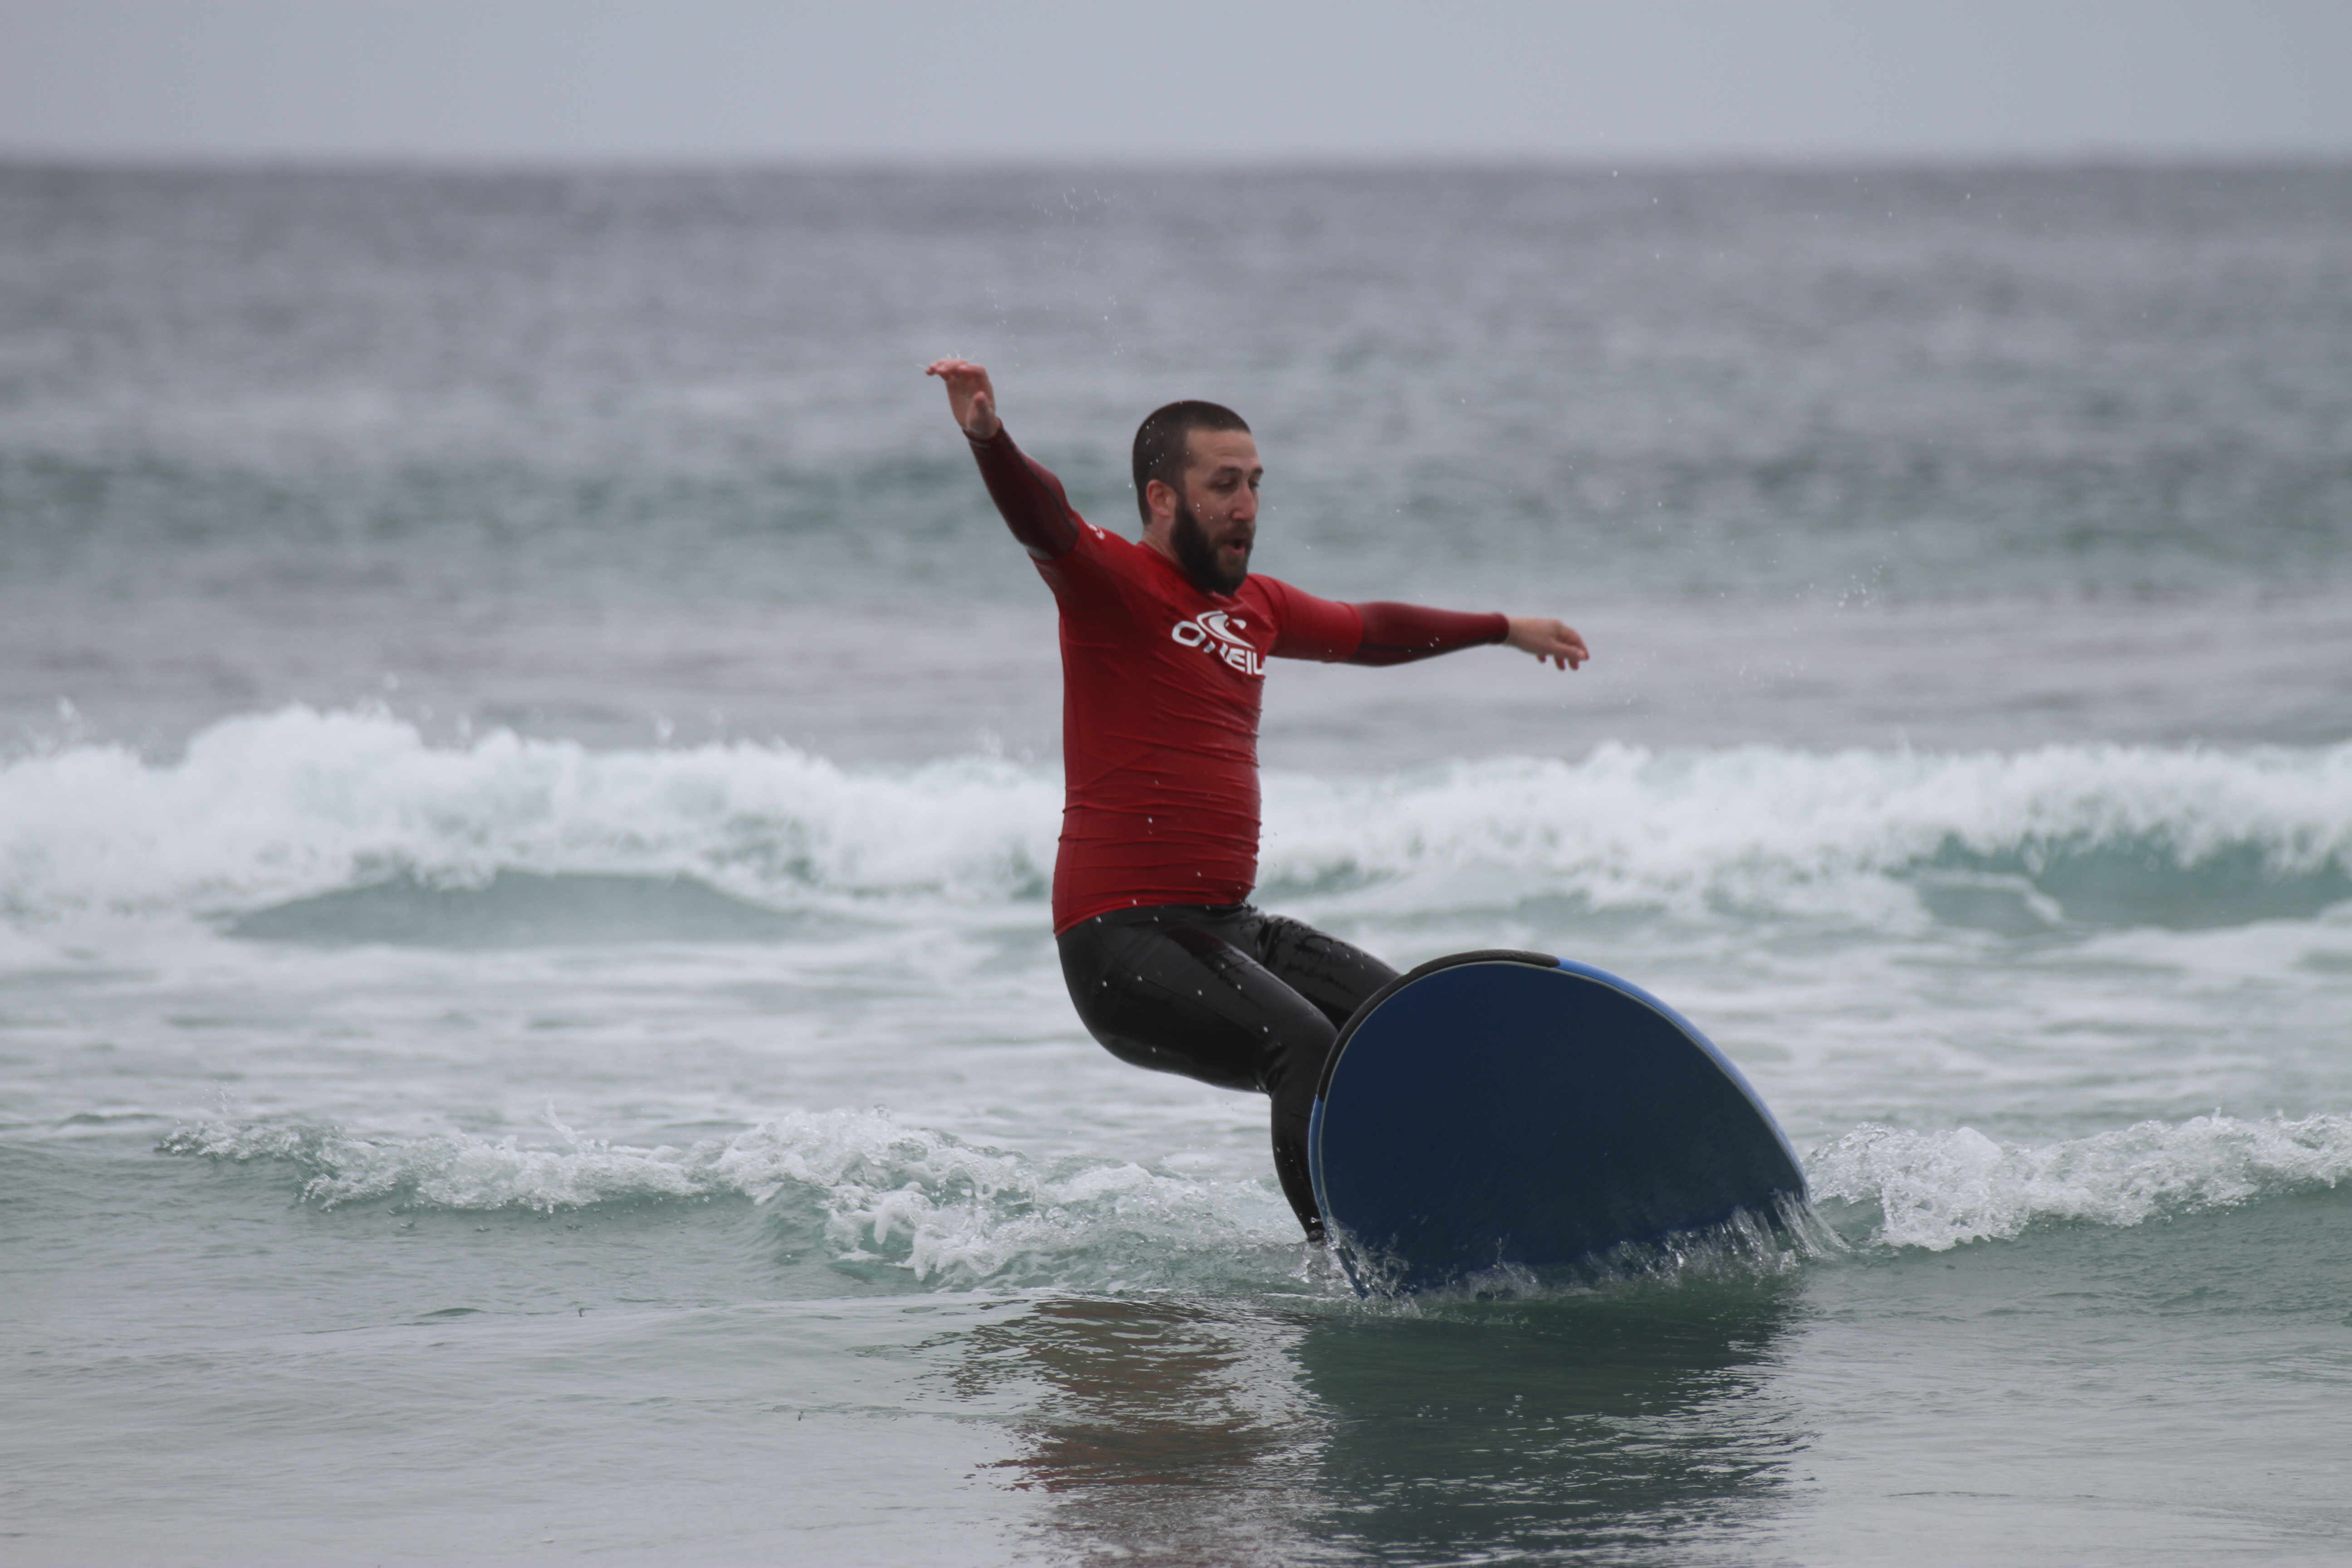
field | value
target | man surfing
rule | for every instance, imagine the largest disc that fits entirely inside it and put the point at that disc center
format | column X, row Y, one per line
column 1165, row 645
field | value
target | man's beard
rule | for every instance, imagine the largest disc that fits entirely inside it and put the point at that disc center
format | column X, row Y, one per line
column 1199, row 560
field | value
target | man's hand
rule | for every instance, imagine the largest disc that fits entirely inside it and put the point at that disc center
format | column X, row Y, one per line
column 1554, row 640
column 971, row 398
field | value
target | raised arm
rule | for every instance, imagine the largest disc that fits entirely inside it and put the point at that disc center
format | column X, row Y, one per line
column 1030, row 498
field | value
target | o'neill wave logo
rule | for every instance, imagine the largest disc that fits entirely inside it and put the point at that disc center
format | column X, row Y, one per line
column 1218, row 632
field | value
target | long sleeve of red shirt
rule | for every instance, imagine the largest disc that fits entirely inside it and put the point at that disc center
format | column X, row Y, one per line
column 1377, row 633
column 1399, row 634
column 1027, row 495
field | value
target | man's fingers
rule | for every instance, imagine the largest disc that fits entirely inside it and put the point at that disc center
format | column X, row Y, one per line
column 1552, row 642
column 1564, row 650
column 970, row 397
column 960, row 374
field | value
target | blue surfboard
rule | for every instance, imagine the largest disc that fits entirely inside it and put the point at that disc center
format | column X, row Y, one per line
column 1504, row 1108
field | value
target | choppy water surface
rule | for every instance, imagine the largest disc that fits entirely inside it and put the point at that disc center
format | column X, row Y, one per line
column 526, row 1024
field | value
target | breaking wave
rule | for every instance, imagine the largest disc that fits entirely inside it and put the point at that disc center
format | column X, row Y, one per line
column 929, row 1209
column 1937, row 1190
column 909, row 1200
column 297, row 804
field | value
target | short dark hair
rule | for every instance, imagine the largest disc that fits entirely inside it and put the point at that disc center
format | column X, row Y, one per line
column 1162, row 443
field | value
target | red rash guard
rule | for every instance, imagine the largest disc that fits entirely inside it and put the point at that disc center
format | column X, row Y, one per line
column 1161, row 689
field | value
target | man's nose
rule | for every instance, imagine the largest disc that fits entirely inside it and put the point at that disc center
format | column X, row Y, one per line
column 1245, row 507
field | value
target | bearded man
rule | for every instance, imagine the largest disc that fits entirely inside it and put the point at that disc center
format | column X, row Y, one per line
column 1165, row 645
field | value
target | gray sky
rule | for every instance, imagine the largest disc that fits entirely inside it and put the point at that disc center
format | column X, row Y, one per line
column 668, row 80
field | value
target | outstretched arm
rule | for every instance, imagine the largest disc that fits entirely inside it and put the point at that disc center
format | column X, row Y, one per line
column 1398, row 634
column 1383, row 633
column 1028, row 496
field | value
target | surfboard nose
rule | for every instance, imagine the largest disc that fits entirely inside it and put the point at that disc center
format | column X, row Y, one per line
column 1511, row 1108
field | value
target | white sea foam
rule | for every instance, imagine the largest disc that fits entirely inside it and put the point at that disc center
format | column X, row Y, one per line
column 949, row 1214
column 295, row 803
column 301, row 802
column 1766, row 826
column 1937, row 1190
column 905, row 1198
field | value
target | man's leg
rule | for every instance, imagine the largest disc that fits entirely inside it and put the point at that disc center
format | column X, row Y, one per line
column 1190, row 991
column 1336, row 978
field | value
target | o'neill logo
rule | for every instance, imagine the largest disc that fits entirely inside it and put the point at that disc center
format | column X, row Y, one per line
column 1219, row 633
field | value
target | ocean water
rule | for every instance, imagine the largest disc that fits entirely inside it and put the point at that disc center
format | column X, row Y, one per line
column 528, row 778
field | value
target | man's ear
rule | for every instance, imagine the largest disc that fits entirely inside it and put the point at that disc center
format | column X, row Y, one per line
column 1160, row 499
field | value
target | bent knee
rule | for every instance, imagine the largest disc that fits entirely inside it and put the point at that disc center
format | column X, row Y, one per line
column 1209, row 1067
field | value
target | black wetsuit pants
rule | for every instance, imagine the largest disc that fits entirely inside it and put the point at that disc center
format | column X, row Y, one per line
column 1229, row 995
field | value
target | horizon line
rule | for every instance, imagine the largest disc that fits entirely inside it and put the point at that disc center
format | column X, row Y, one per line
column 2089, row 156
